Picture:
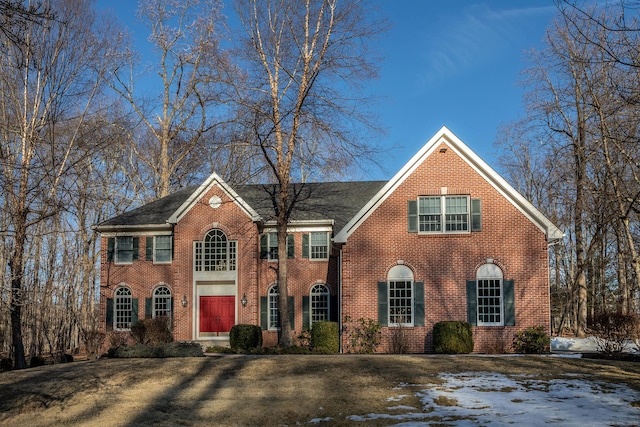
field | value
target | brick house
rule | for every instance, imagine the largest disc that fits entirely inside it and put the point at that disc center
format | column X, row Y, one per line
column 445, row 239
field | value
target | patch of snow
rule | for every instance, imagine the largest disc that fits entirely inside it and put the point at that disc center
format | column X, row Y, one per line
column 320, row 420
column 486, row 398
column 588, row 344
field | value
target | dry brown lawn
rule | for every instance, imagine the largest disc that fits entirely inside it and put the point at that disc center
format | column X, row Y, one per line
column 234, row 390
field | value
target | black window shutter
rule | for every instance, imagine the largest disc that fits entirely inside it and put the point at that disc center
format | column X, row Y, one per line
column 149, row 248
column 509, row 303
column 412, row 209
column 109, row 313
column 264, row 246
column 292, row 313
column 148, row 308
column 333, row 308
column 383, row 304
column 111, row 247
column 305, row 246
column 134, row 310
column 476, row 215
column 306, row 318
column 418, row 302
column 290, row 246
column 472, row 302
column 136, row 248
column 264, row 313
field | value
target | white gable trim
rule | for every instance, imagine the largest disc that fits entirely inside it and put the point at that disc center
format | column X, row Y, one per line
column 213, row 180
column 445, row 136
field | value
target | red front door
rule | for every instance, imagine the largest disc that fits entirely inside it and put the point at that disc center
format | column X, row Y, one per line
column 217, row 314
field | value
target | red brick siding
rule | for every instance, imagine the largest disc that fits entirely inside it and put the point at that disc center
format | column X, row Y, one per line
column 446, row 262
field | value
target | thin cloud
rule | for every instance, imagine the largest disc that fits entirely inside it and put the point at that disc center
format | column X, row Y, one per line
column 475, row 36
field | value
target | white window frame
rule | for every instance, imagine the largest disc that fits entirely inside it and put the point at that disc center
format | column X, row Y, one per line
column 319, row 301
column 319, row 252
column 169, row 249
column 122, row 309
column 272, row 246
column 400, row 274
column 444, row 216
column 215, row 252
column 489, row 278
column 161, row 302
column 273, row 312
column 119, row 242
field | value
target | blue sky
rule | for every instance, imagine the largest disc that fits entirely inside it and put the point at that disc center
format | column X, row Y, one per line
column 454, row 63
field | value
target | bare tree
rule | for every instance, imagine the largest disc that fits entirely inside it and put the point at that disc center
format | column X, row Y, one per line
column 305, row 61
column 49, row 84
column 186, row 37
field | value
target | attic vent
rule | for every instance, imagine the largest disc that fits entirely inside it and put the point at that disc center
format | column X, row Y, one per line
column 215, row 202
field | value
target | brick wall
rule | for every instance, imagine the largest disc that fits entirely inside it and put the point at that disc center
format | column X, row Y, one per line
column 445, row 262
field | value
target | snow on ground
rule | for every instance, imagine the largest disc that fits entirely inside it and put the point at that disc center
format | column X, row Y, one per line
column 560, row 344
column 487, row 398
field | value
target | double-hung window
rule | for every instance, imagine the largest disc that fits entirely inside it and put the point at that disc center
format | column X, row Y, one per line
column 124, row 249
column 162, row 302
column 269, row 246
column 159, row 249
column 274, row 312
column 444, row 214
column 319, row 303
column 122, row 309
column 490, row 298
column 400, row 302
column 319, row 245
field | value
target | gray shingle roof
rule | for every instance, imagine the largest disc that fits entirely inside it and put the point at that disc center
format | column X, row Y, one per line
column 338, row 201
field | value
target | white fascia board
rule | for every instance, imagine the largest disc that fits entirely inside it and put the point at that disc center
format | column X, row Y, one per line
column 213, row 179
column 301, row 226
column 113, row 230
column 551, row 232
column 444, row 135
column 390, row 187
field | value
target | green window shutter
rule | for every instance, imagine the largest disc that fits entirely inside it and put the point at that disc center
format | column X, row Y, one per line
column 418, row 302
column 111, row 247
column 476, row 215
column 305, row 246
column 292, row 311
column 264, row 246
column 264, row 313
column 148, row 308
column 472, row 302
column 172, row 240
column 109, row 314
column 306, row 318
column 136, row 248
column 134, row 310
column 149, row 248
column 383, row 304
column 412, row 209
column 334, row 312
column 290, row 246
column 509, row 303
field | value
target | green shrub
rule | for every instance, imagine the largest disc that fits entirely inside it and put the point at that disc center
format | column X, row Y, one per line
column 452, row 337
column 533, row 340
column 36, row 361
column 365, row 335
column 324, row 335
column 245, row 337
column 6, row 364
